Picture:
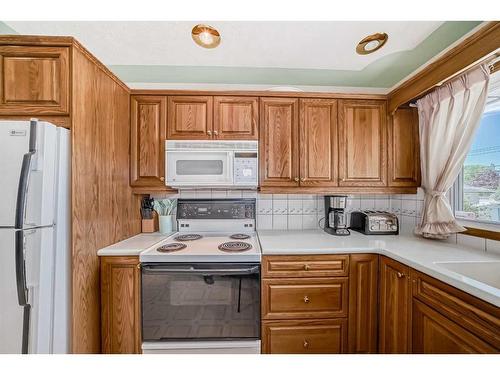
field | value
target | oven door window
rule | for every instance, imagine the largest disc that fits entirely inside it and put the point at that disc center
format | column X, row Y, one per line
column 177, row 306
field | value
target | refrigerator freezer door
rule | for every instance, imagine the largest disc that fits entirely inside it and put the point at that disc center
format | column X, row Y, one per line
column 38, row 261
column 14, row 143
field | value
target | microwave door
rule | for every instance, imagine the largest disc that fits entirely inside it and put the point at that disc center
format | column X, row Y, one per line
column 199, row 168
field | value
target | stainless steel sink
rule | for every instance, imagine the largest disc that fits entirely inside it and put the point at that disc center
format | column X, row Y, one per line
column 485, row 272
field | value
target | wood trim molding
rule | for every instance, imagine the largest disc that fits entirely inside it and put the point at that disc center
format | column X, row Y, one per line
column 483, row 233
column 459, row 58
column 337, row 190
column 279, row 94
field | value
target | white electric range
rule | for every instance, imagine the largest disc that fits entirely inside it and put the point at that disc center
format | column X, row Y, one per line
column 201, row 286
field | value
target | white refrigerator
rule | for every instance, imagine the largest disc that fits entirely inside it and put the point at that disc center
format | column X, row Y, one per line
column 34, row 237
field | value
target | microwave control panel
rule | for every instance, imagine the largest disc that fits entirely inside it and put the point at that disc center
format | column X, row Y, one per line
column 216, row 209
column 245, row 168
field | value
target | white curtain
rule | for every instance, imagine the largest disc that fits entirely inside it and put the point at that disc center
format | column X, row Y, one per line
column 448, row 119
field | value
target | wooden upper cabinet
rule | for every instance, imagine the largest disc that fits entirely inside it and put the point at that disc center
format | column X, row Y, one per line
column 395, row 307
column 363, row 303
column 121, row 305
column 318, row 142
column 279, row 142
column 236, row 117
column 362, row 143
column 189, row 117
column 34, row 80
column 404, row 149
column 147, row 141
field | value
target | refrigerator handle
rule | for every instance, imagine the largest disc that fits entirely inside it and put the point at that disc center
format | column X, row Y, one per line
column 22, row 288
column 24, row 178
column 26, row 329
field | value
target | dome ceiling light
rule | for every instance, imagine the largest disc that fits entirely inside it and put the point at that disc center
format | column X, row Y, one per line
column 371, row 43
column 205, row 36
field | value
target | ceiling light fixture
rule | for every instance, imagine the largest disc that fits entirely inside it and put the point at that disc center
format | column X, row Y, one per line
column 205, row 36
column 371, row 43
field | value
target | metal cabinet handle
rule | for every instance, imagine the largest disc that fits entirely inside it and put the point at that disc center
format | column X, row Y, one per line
column 216, row 132
column 306, row 344
column 296, row 179
column 302, row 179
column 400, row 275
column 306, row 267
column 162, row 178
column 306, row 299
column 209, row 132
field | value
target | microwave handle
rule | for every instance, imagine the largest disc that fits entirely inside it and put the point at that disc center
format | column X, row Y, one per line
column 195, row 271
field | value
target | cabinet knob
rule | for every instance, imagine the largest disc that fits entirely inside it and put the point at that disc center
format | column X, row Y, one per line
column 138, row 266
column 209, row 132
column 302, row 179
column 400, row 275
column 162, row 178
column 306, row 299
column 296, row 179
column 306, row 344
column 216, row 132
column 306, row 267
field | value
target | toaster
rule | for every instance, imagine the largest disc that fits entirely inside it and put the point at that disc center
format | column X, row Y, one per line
column 374, row 222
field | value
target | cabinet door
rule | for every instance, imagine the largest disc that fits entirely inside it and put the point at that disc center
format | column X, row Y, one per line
column 147, row 141
column 404, row 150
column 318, row 142
column 236, row 117
column 326, row 336
column 34, row 80
column 120, row 305
column 362, row 143
column 279, row 142
column 363, row 303
column 189, row 117
column 434, row 333
column 394, row 304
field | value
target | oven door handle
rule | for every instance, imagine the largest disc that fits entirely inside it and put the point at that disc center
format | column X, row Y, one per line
column 227, row 271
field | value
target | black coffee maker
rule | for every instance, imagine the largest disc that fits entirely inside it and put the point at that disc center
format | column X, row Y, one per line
column 335, row 215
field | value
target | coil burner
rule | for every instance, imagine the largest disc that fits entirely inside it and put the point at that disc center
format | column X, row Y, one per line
column 188, row 237
column 239, row 236
column 234, row 246
column 171, row 247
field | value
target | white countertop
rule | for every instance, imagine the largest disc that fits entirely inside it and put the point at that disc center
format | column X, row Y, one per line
column 134, row 245
column 416, row 252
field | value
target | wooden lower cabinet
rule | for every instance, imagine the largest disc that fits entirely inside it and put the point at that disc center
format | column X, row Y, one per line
column 434, row 333
column 321, row 336
column 363, row 303
column 120, row 305
column 394, row 307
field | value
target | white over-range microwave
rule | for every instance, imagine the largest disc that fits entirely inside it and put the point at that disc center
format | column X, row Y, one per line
column 207, row 164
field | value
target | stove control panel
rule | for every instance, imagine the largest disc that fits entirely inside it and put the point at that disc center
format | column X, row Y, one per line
column 215, row 209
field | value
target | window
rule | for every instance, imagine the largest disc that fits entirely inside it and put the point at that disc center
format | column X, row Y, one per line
column 476, row 193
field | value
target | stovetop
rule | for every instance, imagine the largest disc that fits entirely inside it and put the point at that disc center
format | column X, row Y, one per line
column 211, row 247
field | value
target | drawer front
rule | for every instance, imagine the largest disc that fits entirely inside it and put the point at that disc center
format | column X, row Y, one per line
column 305, row 266
column 304, row 298
column 479, row 317
column 305, row 337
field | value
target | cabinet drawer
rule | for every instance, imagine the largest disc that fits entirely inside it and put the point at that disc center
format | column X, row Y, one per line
column 304, row 298
column 473, row 314
column 305, row 266
column 327, row 336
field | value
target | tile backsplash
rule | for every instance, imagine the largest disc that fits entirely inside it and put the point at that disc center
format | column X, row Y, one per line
column 305, row 211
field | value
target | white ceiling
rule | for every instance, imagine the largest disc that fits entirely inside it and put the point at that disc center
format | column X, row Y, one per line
column 308, row 45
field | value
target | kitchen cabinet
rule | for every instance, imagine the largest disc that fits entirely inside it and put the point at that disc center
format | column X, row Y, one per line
column 318, row 142
column 147, row 141
column 34, row 80
column 363, row 303
column 404, row 149
column 120, row 305
column 190, row 117
column 236, row 118
column 279, row 142
column 304, row 303
column 394, row 307
column 362, row 143
column 327, row 336
column 434, row 333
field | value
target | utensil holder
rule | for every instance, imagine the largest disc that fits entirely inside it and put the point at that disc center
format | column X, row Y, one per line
column 166, row 224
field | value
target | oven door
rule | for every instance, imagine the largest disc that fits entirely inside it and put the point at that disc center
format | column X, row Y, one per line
column 203, row 301
column 199, row 168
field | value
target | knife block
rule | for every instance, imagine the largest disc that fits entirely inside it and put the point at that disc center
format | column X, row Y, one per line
column 150, row 225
